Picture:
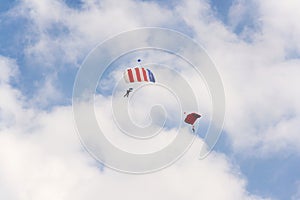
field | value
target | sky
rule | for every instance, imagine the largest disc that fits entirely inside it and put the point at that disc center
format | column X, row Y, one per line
column 254, row 46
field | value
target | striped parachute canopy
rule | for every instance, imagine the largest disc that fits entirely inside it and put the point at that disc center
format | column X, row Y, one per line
column 138, row 74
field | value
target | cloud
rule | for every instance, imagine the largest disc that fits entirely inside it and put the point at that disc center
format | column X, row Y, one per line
column 35, row 170
column 63, row 35
column 43, row 159
column 59, row 37
column 49, row 163
column 259, row 68
column 9, row 69
column 265, row 72
column 47, row 92
column 12, row 100
column 258, row 74
column 280, row 23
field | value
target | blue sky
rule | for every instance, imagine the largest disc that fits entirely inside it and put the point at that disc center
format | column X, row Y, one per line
column 273, row 176
column 250, row 48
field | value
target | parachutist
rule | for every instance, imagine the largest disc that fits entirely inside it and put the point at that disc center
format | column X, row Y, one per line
column 191, row 118
column 127, row 92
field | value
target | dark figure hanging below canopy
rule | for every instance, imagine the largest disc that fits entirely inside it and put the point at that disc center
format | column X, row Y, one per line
column 128, row 91
column 191, row 119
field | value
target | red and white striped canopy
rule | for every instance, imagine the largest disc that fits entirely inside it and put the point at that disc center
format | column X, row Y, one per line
column 138, row 74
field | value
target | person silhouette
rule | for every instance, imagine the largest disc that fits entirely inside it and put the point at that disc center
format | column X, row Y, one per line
column 127, row 92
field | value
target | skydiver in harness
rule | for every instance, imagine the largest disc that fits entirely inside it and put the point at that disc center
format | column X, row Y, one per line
column 193, row 129
column 127, row 92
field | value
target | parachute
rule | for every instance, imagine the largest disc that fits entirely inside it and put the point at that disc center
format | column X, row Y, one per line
column 138, row 74
column 191, row 118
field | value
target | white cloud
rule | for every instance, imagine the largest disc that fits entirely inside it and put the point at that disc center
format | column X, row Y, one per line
column 47, row 92
column 260, row 79
column 60, row 37
column 259, row 76
column 252, row 72
column 9, row 69
column 81, row 30
column 280, row 23
column 265, row 105
column 49, row 164
column 12, row 101
column 43, row 159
